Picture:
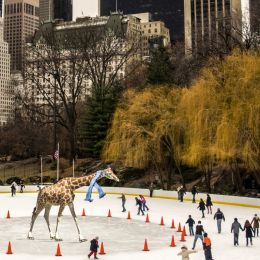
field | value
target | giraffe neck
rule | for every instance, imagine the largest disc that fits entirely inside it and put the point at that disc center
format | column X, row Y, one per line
column 78, row 182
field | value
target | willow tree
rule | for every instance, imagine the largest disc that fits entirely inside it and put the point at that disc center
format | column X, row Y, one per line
column 146, row 131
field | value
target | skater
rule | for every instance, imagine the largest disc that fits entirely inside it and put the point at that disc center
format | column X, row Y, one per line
column 13, row 188
column 198, row 234
column 93, row 248
column 143, row 200
column 207, row 247
column 249, row 232
column 139, row 203
column 219, row 216
column 22, row 186
column 255, row 223
column 185, row 252
column 182, row 192
column 209, row 204
column 151, row 188
column 190, row 222
column 235, row 229
column 123, row 202
column 202, row 207
column 194, row 191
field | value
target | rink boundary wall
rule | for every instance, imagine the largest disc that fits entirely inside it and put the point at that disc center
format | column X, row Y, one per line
column 161, row 194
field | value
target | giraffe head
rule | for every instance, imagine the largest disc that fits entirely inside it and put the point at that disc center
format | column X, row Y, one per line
column 109, row 174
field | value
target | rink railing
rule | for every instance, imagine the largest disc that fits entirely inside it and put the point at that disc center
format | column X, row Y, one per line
column 161, row 194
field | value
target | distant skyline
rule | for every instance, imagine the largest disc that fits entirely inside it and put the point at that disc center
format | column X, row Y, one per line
column 87, row 7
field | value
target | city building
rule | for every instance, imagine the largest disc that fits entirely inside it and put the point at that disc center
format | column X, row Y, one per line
column 171, row 12
column 6, row 92
column 55, row 9
column 207, row 20
column 21, row 20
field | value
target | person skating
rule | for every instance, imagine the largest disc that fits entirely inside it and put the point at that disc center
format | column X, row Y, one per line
column 190, row 222
column 207, row 247
column 22, row 186
column 123, row 202
column 93, row 248
column 13, row 188
column 143, row 200
column 182, row 192
column 194, row 191
column 209, row 204
column 235, row 230
column 249, row 232
column 140, row 206
column 185, row 252
column 151, row 188
column 202, row 207
column 219, row 216
column 198, row 234
column 255, row 221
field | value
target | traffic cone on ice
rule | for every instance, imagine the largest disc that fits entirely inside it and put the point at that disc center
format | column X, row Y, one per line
column 172, row 242
column 9, row 249
column 109, row 214
column 184, row 231
column 129, row 215
column 58, row 252
column 147, row 219
column 102, row 250
column 146, row 246
column 8, row 214
column 172, row 226
column 162, row 222
column 179, row 228
column 83, row 213
column 182, row 236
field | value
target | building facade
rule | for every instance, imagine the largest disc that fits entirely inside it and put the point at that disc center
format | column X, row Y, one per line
column 6, row 91
column 55, row 9
column 21, row 20
column 171, row 12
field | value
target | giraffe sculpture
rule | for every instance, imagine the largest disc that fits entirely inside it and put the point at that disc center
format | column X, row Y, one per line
column 62, row 194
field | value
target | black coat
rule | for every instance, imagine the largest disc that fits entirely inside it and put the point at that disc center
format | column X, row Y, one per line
column 199, row 229
column 194, row 190
column 190, row 221
column 249, row 231
column 94, row 245
column 209, row 202
column 202, row 205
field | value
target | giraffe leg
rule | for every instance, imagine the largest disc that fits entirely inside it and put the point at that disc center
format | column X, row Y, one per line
column 57, row 238
column 36, row 211
column 46, row 216
column 72, row 210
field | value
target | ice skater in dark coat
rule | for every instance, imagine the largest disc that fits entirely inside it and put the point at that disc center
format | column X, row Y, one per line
column 202, row 207
column 249, row 232
column 209, row 204
column 93, row 248
column 140, row 206
column 190, row 222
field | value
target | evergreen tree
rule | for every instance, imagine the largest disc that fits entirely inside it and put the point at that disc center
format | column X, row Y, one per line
column 160, row 69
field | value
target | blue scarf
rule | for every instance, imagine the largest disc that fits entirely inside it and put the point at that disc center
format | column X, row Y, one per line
column 92, row 184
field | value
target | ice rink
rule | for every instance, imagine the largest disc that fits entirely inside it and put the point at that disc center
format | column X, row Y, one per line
column 123, row 239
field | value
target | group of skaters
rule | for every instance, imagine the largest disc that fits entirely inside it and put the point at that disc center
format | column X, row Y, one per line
column 14, row 186
column 251, row 228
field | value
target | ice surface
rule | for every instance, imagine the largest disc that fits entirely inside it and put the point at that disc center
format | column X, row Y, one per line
column 123, row 239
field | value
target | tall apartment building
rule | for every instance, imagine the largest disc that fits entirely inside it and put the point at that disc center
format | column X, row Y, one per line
column 20, row 23
column 6, row 92
column 55, row 9
column 206, row 20
column 171, row 12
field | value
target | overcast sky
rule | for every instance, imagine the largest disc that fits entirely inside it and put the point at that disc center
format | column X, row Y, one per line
column 88, row 7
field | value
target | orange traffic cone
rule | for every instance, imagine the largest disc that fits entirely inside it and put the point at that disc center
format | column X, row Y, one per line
column 109, row 214
column 147, row 219
column 172, row 242
column 146, row 246
column 162, row 222
column 179, row 228
column 129, row 215
column 58, row 252
column 8, row 214
column 172, row 226
column 83, row 213
column 184, row 231
column 9, row 249
column 102, row 250
column 182, row 236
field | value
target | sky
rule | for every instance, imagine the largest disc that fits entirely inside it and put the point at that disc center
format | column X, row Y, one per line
column 87, row 7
